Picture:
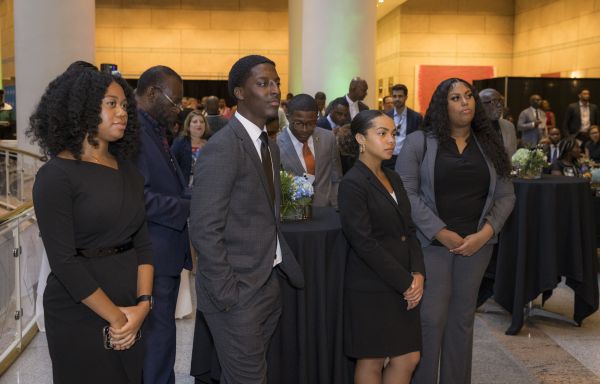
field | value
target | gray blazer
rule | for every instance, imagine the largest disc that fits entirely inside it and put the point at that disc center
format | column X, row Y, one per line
column 234, row 224
column 531, row 134
column 509, row 136
column 417, row 170
column 328, row 167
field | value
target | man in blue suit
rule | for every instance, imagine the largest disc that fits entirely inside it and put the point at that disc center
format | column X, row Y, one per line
column 159, row 93
column 405, row 119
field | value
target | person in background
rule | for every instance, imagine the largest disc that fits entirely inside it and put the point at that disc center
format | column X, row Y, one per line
column 92, row 222
column 347, row 146
column 388, row 104
column 456, row 174
column 213, row 117
column 224, row 110
column 7, row 119
column 567, row 163
column 339, row 115
column 592, row 149
column 406, row 120
column 580, row 116
column 167, row 197
column 532, row 122
column 385, row 272
column 493, row 103
column 321, row 100
column 551, row 148
column 186, row 147
column 550, row 117
column 357, row 91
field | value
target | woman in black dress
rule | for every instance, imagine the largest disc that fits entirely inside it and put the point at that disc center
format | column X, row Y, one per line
column 385, row 270
column 567, row 163
column 90, row 208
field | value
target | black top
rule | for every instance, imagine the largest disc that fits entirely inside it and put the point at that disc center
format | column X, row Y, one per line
column 566, row 169
column 85, row 205
column 381, row 233
column 594, row 149
column 462, row 183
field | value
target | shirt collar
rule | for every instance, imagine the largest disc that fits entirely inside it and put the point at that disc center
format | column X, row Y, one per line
column 402, row 114
column 333, row 124
column 297, row 142
column 253, row 130
column 350, row 100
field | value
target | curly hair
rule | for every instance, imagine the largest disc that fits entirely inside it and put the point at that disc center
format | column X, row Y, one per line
column 437, row 123
column 185, row 132
column 70, row 109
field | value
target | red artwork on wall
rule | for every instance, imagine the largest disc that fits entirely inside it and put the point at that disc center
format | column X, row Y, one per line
column 430, row 76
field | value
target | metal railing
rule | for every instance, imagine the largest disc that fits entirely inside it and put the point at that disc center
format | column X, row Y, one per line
column 21, row 253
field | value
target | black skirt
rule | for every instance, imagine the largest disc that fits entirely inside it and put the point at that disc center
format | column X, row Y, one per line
column 377, row 325
column 74, row 331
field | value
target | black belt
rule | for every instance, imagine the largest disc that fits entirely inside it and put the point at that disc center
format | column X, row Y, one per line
column 101, row 252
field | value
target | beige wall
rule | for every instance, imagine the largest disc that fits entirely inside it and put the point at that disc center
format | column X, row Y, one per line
column 451, row 32
column 557, row 36
column 200, row 39
column 7, row 42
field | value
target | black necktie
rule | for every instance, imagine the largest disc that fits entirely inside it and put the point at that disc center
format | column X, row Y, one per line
column 267, row 163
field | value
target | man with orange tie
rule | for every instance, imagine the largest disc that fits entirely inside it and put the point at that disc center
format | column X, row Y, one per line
column 310, row 151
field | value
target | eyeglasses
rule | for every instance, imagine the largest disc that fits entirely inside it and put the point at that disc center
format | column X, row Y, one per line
column 178, row 106
column 304, row 126
column 494, row 102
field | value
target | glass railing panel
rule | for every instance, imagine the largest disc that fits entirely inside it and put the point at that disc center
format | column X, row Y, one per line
column 9, row 332
column 30, row 261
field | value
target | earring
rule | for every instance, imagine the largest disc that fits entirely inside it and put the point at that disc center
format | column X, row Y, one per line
column 362, row 148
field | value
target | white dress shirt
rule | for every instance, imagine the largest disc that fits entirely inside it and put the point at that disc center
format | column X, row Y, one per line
column 333, row 125
column 584, row 109
column 353, row 106
column 254, row 132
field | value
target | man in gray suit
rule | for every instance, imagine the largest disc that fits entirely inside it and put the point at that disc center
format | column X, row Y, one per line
column 493, row 104
column 532, row 122
column 311, row 151
column 234, row 225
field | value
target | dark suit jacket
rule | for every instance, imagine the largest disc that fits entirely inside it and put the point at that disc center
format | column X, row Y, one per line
column 167, row 203
column 234, row 223
column 572, row 122
column 324, row 123
column 182, row 152
column 413, row 120
column 384, row 246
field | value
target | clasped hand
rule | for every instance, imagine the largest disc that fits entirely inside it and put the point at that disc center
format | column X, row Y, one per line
column 414, row 294
column 468, row 245
column 125, row 336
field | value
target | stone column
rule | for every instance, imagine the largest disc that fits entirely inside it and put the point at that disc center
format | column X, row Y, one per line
column 49, row 35
column 330, row 43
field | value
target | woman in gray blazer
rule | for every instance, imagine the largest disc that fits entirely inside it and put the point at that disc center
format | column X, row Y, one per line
column 455, row 173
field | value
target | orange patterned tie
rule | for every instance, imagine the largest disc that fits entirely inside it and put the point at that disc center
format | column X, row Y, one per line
column 309, row 159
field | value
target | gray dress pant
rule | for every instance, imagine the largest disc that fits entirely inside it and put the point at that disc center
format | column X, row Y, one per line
column 448, row 313
column 242, row 335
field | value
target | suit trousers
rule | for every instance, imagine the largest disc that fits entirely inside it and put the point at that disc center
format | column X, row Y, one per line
column 448, row 314
column 242, row 335
column 159, row 329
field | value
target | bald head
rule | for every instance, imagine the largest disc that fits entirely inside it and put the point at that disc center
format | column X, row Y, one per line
column 357, row 89
column 492, row 103
column 212, row 105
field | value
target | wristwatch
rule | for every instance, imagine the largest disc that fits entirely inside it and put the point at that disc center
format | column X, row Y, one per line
column 148, row 298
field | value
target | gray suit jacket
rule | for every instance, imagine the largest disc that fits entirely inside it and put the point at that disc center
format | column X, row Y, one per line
column 531, row 134
column 417, row 170
column 509, row 136
column 328, row 167
column 234, row 224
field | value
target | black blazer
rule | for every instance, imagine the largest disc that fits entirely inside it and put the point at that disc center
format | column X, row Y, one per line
column 572, row 122
column 324, row 123
column 384, row 247
column 182, row 152
column 413, row 120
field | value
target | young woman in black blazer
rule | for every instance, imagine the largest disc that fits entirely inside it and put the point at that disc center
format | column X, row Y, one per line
column 385, row 270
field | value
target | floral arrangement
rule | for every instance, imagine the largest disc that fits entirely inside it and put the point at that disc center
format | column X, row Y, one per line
column 296, row 195
column 529, row 162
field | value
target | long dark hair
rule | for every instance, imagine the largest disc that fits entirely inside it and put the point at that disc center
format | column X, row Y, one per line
column 70, row 109
column 437, row 123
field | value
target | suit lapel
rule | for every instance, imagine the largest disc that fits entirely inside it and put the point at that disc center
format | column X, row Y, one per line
column 318, row 153
column 250, row 149
column 289, row 151
column 172, row 164
column 378, row 185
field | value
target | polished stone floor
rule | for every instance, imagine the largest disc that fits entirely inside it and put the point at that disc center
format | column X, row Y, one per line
column 546, row 351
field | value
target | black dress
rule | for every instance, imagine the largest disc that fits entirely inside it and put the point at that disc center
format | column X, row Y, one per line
column 89, row 206
column 384, row 251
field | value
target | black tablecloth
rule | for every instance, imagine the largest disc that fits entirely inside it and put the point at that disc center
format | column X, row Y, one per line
column 596, row 215
column 549, row 234
column 307, row 347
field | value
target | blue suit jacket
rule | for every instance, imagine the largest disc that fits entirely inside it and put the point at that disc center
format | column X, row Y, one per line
column 182, row 152
column 413, row 120
column 167, row 202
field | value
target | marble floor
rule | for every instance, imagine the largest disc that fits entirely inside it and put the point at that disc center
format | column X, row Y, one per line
column 546, row 351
